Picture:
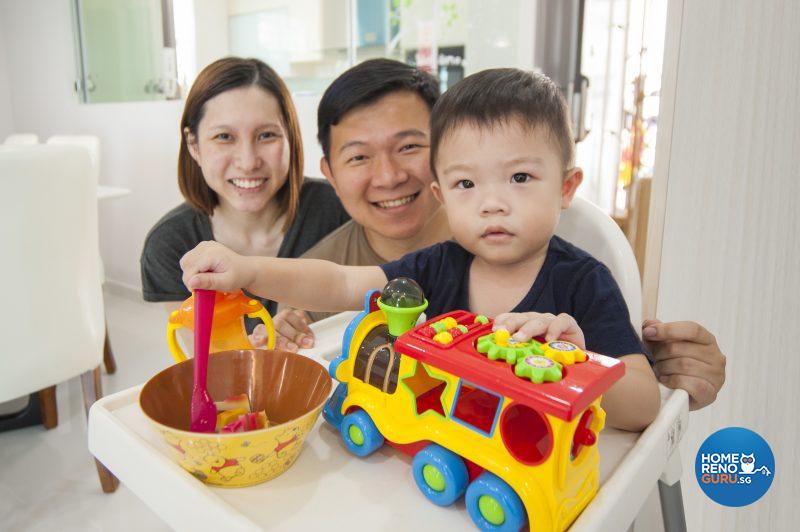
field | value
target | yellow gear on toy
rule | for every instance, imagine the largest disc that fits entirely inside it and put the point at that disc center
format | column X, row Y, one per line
column 565, row 353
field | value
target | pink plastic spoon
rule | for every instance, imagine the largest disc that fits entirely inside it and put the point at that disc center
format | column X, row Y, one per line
column 203, row 411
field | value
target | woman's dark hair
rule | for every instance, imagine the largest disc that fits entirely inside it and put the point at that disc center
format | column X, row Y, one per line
column 501, row 95
column 221, row 76
column 366, row 83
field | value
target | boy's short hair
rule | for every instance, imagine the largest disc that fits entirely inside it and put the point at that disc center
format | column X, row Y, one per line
column 500, row 95
column 366, row 83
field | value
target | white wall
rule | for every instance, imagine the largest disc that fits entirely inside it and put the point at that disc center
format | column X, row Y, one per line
column 6, row 115
column 139, row 140
column 726, row 190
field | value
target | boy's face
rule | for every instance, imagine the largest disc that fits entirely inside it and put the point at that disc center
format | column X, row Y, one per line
column 503, row 188
column 379, row 165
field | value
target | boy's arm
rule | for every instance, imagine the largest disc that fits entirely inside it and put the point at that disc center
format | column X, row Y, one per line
column 304, row 283
column 633, row 402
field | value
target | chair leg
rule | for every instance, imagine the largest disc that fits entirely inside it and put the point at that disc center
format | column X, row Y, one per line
column 92, row 391
column 672, row 507
column 47, row 403
column 108, row 356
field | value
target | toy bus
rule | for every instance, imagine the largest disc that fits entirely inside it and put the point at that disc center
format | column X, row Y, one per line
column 510, row 426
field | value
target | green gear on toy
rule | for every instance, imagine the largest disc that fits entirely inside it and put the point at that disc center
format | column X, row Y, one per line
column 538, row 369
column 483, row 320
column 511, row 352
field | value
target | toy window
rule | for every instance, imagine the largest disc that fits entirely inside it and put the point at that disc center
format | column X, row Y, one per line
column 426, row 389
column 476, row 407
column 377, row 363
column 527, row 434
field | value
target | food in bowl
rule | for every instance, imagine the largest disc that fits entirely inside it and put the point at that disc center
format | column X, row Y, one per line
column 234, row 415
column 290, row 388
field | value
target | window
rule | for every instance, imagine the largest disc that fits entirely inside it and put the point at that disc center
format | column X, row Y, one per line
column 377, row 363
column 311, row 42
column 527, row 434
column 476, row 408
column 426, row 389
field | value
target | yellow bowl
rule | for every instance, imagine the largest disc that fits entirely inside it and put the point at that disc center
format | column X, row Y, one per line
column 291, row 388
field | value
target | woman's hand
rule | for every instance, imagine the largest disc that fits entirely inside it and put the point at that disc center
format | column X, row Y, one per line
column 212, row 266
column 292, row 331
column 686, row 356
column 525, row 325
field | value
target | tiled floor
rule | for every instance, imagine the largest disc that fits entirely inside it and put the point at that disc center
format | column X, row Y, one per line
column 47, row 478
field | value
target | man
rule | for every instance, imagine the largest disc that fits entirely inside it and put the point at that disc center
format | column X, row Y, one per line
column 373, row 128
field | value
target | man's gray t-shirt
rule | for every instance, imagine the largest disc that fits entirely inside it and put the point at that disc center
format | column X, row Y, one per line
column 181, row 229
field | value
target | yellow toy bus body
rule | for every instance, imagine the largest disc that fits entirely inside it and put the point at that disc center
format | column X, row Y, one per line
column 512, row 427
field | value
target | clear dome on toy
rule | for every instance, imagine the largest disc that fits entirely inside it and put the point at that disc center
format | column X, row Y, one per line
column 402, row 293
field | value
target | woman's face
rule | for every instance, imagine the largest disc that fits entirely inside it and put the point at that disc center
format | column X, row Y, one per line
column 242, row 147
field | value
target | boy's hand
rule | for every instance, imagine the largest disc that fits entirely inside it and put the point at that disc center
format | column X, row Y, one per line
column 525, row 325
column 292, row 330
column 687, row 356
column 212, row 266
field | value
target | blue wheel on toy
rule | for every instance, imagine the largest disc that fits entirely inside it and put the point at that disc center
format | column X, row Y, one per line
column 440, row 474
column 360, row 435
column 493, row 505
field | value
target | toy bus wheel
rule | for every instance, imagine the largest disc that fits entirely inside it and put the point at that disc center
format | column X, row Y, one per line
column 360, row 435
column 440, row 474
column 493, row 505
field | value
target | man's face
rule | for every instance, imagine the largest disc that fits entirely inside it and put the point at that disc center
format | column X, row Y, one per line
column 379, row 165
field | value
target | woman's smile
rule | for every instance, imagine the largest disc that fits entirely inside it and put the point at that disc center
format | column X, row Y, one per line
column 252, row 184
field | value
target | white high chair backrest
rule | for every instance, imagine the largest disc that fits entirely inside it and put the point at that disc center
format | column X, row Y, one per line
column 586, row 226
column 21, row 139
column 51, row 317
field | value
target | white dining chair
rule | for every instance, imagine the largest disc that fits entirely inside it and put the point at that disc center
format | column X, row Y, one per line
column 91, row 144
column 21, row 139
column 51, row 320
column 585, row 225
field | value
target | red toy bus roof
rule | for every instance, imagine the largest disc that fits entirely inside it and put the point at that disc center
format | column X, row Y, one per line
column 582, row 383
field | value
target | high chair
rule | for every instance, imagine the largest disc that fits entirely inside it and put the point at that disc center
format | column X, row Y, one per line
column 588, row 227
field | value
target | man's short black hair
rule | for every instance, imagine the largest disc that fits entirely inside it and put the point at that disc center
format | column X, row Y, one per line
column 502, row 95
column 366, row 83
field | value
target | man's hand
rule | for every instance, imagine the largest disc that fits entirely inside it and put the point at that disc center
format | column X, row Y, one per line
column 525, row 325
column 686, row 356
column 292, row 331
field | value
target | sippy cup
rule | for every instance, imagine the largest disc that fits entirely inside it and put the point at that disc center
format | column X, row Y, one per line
column 228, row 330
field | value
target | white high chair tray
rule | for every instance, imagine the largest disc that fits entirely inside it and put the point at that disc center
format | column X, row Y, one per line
column 327, row 486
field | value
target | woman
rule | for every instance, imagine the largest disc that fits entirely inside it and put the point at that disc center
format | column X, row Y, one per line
column 240, row 169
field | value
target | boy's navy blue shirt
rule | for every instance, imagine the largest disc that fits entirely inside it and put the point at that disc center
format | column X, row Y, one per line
column 570, row 281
